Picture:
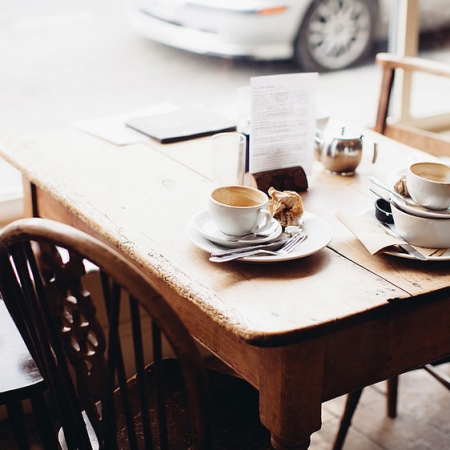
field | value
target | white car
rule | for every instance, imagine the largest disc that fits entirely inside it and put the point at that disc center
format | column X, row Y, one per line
column 319, row 35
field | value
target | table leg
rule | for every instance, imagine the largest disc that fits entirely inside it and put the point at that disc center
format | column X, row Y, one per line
column 291, row 393
column 279, row 444
column 29, row 198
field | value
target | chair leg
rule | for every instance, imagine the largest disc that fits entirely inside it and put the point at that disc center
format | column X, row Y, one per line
column 444, row 380
column 19, row 429
column 392, row 394
column 44, row 424
column 350, row 407
column 387, row 83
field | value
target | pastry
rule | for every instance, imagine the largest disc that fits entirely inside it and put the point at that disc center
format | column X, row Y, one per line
column 400, row 187
column 285, row 206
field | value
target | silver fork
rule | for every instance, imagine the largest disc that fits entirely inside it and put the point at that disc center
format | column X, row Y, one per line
column 290, row 244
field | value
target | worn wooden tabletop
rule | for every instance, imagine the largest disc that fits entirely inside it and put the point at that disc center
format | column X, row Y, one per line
column 338, row 319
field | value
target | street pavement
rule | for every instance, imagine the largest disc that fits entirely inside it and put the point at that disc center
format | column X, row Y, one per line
column 74, row 60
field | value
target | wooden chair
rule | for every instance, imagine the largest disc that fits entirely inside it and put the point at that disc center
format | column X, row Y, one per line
column 391, row 394
column 424, row 135
column 103, row 390
column 20, row 380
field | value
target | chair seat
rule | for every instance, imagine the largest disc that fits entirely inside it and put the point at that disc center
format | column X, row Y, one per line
column 20, row 377
column 21, row 380
column 235, row 407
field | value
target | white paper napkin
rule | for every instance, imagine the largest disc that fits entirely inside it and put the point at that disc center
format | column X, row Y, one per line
column 366, row 228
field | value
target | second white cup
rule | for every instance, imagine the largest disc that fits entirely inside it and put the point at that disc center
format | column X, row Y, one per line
column 239, row 210
column 428, row 184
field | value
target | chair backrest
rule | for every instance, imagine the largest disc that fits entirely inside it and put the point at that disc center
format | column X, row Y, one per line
column 423, row 135
column 42, row 279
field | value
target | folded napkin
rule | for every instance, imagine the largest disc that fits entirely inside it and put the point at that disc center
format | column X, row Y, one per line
column 367, row 229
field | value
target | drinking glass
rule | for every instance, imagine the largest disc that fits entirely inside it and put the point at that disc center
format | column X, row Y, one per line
column 228, row 159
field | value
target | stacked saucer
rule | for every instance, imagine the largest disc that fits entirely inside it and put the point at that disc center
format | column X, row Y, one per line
column 419, row 227
column 204, row 234
column 205, row 225
column 414, row 219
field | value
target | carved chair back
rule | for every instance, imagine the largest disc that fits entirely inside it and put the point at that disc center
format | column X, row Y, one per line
column 43, row 271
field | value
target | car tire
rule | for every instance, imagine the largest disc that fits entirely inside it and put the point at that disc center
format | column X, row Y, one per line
column 336, row 34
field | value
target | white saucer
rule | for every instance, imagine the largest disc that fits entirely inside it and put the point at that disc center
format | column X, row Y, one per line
column 393, row 178
column 399, row 254
column 318, row 231
column 205, row 225
column 444, row 214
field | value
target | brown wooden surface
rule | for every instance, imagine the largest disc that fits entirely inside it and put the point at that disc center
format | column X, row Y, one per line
column 338, row 320
column 435, row 144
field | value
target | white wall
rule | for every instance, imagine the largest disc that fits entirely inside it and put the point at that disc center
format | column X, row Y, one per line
column 11, row 193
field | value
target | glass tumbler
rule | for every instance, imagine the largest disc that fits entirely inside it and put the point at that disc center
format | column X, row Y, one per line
column 228, row 159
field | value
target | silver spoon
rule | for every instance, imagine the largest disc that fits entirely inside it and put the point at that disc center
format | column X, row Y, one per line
column 266, row 233
column 285, row 249
column 386, row 199
column 389, row 229
column 393, row 232
column 284, row 238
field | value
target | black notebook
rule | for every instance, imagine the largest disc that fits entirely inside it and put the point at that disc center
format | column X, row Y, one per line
column 181, row 125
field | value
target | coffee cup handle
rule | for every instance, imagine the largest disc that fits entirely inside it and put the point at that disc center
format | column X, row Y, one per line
column 375, row 151
column 263, row 225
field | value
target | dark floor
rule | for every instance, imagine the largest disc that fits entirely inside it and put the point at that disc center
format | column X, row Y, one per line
column 7, row 441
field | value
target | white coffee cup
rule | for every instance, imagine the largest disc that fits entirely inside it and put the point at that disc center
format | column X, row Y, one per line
column 239, row 210
column 428, row 184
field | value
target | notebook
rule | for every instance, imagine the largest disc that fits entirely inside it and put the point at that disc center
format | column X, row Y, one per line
column 181, row 125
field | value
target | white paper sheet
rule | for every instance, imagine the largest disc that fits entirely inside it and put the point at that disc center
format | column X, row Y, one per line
column 282, row 121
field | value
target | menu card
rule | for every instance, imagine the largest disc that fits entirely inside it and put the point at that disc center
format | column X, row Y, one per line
column 282, row 121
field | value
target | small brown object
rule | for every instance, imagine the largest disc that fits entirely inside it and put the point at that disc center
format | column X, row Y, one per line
column 291, row 178
column 285, row 206
column 400, row 187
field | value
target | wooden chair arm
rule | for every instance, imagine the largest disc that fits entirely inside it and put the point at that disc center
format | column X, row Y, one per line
column 391, row 61
column 427, row 140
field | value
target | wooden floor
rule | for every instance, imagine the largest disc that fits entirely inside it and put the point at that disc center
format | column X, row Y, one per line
column 423, row 421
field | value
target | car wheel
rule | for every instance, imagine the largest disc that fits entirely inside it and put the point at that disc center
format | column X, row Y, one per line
column 336, row 34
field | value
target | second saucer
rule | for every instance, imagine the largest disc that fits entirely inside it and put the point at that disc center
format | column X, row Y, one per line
column 205, row 225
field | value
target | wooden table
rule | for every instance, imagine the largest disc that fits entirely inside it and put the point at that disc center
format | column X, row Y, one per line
column 303, row 331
